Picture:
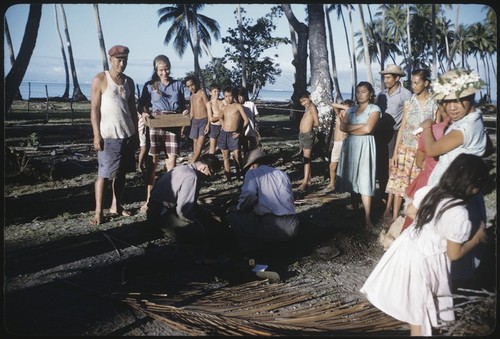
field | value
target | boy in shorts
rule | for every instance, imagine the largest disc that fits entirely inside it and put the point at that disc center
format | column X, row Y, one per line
column 214, row 106
column 199, row 118
column 307, row 135
column 338, row 140
column 234, row 121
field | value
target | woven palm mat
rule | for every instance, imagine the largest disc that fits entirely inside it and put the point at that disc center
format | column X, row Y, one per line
column 264, row 309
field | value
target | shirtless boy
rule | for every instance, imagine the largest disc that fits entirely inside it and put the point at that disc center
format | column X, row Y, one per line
column 198, row 113
column 214, row 106
column 231, row 117
column 307, row 135
column 338, row 140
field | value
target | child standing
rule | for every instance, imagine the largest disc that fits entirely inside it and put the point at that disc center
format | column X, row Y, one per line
column 231, row 117
column 307, row 135
column 214, row 106
column 411, row 280
column 249, row 139
column 338, row 140
column 199, row 117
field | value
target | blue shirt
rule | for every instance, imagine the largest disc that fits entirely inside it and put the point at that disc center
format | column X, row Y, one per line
column 167, row 98
column 267, row 190
column 395, row 103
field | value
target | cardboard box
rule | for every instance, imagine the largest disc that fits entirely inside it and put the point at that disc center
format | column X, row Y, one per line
column 169, row 120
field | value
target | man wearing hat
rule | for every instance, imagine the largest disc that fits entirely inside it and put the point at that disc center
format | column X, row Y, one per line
column 265, row 211
column 114, row 124
column 391, row 102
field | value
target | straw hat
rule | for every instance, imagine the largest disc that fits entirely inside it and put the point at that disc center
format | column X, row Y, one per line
column 456, row 84
column 257, row 156
column 393, row 69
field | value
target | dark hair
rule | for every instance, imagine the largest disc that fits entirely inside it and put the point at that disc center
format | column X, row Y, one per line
column 304, row 94
column 423, row 73
column 370, row 89
column 214, row 85
column 348, row 102
column 212, row 161
column 243, row 92
column 192, row 78
column 466, row 172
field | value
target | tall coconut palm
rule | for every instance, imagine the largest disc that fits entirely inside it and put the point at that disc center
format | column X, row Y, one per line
column 77, row 92
column 100, row 36
column 188, row 27
column 299, row 50
column 350, row 9
column 12, row 58
column 321, row 83
column 242, row 49
column 365, row 45
column 349, row 41
column 16, row 74
column 338, row 94
column 63, row 52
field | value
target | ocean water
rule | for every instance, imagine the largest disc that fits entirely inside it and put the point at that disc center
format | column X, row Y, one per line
column 56, row 89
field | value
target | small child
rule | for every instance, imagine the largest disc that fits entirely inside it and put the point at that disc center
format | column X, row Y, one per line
column 338, row 140
column 199, row 117
column 214, row 106
column 307, row 135
column 249, row 139
column 234, row 121
column 411, row 282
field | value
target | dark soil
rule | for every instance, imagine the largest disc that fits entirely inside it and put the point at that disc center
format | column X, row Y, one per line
column 60, row 273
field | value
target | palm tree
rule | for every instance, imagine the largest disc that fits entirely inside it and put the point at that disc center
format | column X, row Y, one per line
column 365, row 45
column 11, row 52
column 188, row 26
column 242, row 49
column 63, row 52
column 77, row 92
column 321, row 83
column 16, row 74
column 100, row 36
column 299, row 50
column 338, row 94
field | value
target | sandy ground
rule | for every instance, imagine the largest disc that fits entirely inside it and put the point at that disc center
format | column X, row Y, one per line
column 60, row 273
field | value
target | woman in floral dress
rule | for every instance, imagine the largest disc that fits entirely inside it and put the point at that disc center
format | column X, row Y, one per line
column 404, row 170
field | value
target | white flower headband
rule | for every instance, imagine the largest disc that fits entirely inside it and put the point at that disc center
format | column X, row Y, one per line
column 464, row 80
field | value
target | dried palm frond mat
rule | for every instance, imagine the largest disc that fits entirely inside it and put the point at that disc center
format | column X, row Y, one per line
column 264, row 309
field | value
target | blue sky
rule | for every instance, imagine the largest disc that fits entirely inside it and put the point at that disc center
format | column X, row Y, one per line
column 135, row 25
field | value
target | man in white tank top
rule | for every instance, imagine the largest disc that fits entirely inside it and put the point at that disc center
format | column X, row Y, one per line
column 114, row 123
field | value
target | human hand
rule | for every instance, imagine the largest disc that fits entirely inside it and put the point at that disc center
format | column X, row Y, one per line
column 427, row 123
column 481, row 235
column 185, row 112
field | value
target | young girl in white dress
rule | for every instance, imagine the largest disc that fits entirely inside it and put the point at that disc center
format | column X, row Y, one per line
column 411, row 280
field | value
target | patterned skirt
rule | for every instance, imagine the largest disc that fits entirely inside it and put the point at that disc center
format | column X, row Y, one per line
column 404, row 173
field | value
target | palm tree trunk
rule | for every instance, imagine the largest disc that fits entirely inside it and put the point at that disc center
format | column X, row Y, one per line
column 100, row 36
column 353, row 56
column 65, row 60
column 408, row 37
column 11, row 53
column 16, row 74
column 434, row 44
column 77, row 92
column 365, row 45
column 242, row 50
column 338, row 95
column 321, row 83
column 300, row 54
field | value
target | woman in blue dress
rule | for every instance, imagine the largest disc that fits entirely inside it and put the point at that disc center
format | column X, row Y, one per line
column 358, row 157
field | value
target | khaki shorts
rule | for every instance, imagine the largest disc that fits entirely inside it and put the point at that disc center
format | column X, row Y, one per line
column 337, row 148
